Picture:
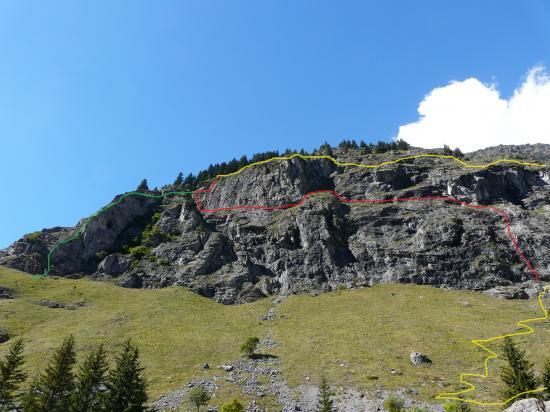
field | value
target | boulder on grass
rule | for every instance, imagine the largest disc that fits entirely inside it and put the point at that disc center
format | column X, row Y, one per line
column 4, row 335
column 6, row 293
column 418, row 358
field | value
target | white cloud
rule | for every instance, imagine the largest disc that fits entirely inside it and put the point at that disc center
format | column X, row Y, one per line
column 472, row 115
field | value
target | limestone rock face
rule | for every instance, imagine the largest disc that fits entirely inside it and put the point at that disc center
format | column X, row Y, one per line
column 527, row 405
column 243, row 255
column 114, row 264
column 101, row 233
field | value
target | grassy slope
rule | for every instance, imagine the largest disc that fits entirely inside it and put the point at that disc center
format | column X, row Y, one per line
column 176, row 330
column 368, row 330
column 373, row 330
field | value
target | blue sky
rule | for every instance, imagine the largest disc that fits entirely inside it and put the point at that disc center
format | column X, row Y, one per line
column 95, row 96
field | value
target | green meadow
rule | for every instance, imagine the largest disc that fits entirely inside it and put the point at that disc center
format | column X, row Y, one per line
column 359, row 338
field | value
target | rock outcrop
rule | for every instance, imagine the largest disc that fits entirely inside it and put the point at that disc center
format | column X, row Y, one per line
column 243, row 255
column 529, row 405
column 418, row 359
column 4, row 335
column 6, row 293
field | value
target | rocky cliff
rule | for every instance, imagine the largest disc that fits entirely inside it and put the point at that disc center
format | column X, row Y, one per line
column 242, row 255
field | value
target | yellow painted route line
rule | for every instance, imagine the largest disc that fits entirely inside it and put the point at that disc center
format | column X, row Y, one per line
column 478, row 342
column 492, row 355
column 390, row 162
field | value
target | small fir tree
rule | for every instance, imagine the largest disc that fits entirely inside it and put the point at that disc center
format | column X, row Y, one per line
column 249, row 347
column 518, row 373
column 402, row 145
column 324, row 403
column 365, row 148
column 233, row 406
column 381, row 147
column 344, row 144
column 189, row 182
column 326, row 150
column 89, row 381
column 143, row 186
column 178, row 183
column 545, row 379
column 199, row 396
column 11, row 375
column 126, row 389
column 458, row 153
column 53, row 390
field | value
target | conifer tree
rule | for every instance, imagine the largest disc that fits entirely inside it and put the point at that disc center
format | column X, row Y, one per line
column 518, row 374
column 53, row 390
column 89, row 380
column 344, row 144
column 143, row 186
column 381, row 147
column 326, row 150
column 11, row 375
column 458, row 153
column 324, row 403
column 447, row 150
column 189, row 181
column 545, row 379
column 178, row 183
column 402, row 145
column 365, row 148
column 126, row 389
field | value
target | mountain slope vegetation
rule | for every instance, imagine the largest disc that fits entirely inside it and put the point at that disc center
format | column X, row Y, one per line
column 359, row 337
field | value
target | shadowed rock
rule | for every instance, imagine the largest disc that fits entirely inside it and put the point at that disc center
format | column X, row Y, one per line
column 6, row 293
column 418, row 358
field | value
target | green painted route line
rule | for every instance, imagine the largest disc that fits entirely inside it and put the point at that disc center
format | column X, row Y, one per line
column 84, row 224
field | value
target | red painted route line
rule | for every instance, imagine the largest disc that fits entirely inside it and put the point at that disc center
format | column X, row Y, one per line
column 501, row 212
